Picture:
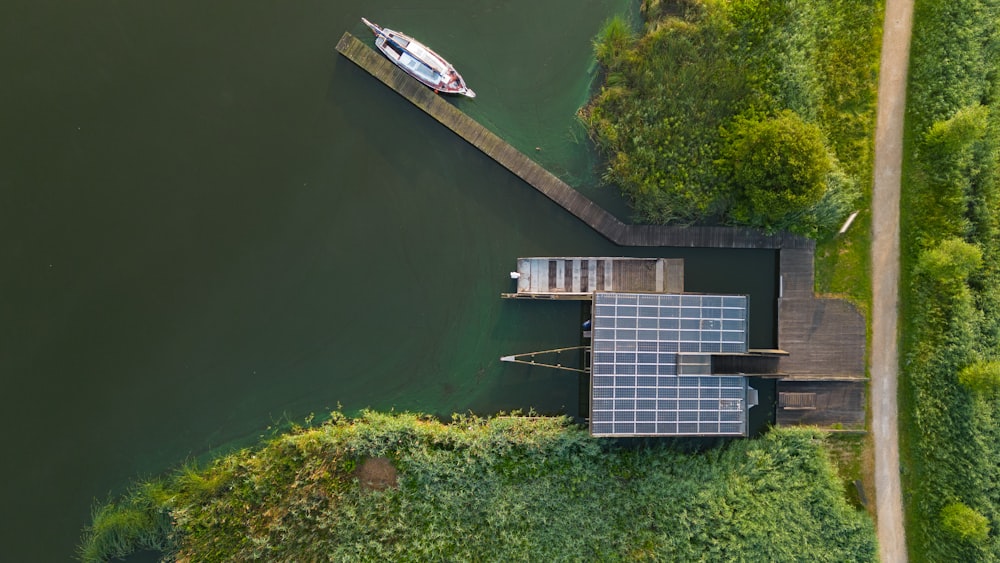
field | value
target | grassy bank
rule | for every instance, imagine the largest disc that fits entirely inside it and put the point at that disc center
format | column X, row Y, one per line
column 405, row 487
column 678, row 100
column 950, row 291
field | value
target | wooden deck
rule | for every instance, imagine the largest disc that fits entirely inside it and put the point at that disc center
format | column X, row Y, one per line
column 828, row 404
column 545, row 182
column 824, row 338
column 580, row 277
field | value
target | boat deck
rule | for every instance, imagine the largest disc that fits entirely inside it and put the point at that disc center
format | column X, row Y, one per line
column 578, row 278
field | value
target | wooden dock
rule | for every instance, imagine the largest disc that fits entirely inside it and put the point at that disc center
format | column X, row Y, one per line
column 822, row 379
column 828, row 404
column 545, row 182
column 824, row 337
column 580, row 277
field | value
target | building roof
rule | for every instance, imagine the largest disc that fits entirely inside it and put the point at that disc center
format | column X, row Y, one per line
column 651, row 365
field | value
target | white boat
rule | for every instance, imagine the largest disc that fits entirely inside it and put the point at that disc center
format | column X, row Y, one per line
column 419, row 61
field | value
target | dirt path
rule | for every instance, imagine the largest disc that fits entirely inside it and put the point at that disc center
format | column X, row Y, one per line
column 885, row 276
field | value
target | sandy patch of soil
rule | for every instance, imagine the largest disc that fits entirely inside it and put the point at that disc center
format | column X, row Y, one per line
column 376, row 474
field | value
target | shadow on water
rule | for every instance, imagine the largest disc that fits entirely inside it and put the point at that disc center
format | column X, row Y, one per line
column 144, row 557
column 762, row 417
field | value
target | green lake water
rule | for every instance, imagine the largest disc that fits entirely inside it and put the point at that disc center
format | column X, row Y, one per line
column 211, row 223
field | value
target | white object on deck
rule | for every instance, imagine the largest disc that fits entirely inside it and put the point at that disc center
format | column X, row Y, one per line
column 847, row 224
column 514, row 275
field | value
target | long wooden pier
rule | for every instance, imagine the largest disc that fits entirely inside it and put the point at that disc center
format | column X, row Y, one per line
column 544, row 181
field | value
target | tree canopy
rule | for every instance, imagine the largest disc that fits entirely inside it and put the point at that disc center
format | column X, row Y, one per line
column 777, row 167
column 982, row 378
column 964, row 523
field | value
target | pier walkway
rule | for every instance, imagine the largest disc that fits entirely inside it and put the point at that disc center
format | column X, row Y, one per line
column 544, row 181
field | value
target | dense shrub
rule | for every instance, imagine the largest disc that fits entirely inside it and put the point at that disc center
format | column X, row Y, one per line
column 613, row 42
column 777, row 167
column 512, row 488
column 964, row 523
column 953, row 436
column 950, row 263
column 982, row 378
column 953, row 58
column 136, row 522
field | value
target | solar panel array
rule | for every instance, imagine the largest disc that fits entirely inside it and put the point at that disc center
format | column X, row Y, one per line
column 646, row 352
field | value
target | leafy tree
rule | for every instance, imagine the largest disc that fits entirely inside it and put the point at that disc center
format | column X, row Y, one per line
column 982, row 378
column 964, row 523
column 669, row 93
column 952, row 261
column 777, row 167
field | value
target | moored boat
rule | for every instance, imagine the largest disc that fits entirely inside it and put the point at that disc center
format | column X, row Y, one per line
column 419, row 61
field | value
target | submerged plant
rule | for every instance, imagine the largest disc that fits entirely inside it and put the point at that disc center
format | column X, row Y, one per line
column 135, row 523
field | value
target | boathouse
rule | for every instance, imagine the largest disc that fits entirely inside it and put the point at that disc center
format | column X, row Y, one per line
column 651, row 365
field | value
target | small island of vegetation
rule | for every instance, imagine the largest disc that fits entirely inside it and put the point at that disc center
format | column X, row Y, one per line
column 742, row 113
column 404, row 487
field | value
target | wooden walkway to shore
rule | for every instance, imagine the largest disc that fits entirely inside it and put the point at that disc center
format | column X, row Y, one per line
column 825, row 338
column 544, row 181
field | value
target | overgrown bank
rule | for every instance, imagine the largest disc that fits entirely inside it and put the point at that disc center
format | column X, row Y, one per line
column 745, row 112
column 950, row 292
column 506, row 488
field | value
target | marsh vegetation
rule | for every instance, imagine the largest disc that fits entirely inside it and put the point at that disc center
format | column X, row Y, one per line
column 495, row 489
column 751, row 113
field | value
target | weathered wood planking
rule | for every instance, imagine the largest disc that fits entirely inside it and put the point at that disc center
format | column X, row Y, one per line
column 547, row 183
column 795, row 266
column 833, row 403
column 823, row 337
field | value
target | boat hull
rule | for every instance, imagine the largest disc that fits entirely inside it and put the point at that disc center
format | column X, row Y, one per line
column 419, row 61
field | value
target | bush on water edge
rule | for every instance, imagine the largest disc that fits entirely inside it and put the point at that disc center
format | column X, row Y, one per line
column 950, row 291
column 504, row 488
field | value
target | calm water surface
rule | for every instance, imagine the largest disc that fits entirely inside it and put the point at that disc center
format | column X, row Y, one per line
column 210, row 223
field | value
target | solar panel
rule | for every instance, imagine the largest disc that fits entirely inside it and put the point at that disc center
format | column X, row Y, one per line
column 651, row 365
